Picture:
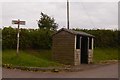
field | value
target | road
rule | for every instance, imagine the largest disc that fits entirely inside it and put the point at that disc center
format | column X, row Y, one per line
column 108, row 71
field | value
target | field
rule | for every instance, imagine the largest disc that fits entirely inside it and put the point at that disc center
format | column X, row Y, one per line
column 105, row 54
column 43, row 58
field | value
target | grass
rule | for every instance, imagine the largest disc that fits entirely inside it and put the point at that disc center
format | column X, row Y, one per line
column 27, row 58
column 43, row 58
column 105, row 54
column 43, row 54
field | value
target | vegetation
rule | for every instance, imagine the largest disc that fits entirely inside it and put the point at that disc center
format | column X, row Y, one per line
column 43, row 58
column 46, row 22
column 29, row 58
column 102, row 54
column 29, row 38
column 104, row 38
column 42, row 39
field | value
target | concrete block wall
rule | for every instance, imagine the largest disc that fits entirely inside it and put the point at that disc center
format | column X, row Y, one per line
column 77, row 57
column 90, row 56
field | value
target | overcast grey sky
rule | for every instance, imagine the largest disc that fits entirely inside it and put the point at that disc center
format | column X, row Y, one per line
column 85, row 15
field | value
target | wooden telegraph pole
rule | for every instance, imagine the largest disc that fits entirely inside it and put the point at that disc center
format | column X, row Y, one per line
column 67, row 14
column 18, row 32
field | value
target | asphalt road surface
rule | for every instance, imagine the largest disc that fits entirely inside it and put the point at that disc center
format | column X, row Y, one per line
column 108, row 71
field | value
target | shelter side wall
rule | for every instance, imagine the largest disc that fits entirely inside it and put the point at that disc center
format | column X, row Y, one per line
column 63, row 47
column 90, row 53
column 77, row 57
column 90, row 56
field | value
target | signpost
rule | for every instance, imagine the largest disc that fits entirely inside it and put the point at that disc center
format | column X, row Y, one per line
column 19, row 23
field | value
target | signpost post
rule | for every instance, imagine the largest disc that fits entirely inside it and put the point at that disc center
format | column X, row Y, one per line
column 18, row 32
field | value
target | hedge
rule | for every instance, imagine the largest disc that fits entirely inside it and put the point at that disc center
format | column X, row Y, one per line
column 42, row 39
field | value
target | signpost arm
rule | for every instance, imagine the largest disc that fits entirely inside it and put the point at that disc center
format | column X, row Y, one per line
column 18, row 37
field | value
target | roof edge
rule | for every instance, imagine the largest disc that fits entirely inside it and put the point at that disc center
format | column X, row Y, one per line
column 74, row 32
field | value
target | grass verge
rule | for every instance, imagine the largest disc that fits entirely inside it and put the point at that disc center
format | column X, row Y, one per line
column 28, row 58
column 43, row 58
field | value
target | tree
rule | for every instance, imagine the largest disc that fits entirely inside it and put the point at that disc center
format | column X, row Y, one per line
column 47, row 22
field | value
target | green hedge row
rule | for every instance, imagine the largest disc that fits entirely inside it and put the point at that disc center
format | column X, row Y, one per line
column 104, row 38
column 29, row 38
column 42, row 39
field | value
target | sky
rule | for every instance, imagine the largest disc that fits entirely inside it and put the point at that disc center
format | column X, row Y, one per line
column 83, row 15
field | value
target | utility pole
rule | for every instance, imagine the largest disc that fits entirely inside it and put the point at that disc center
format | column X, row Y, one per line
column 67, row 14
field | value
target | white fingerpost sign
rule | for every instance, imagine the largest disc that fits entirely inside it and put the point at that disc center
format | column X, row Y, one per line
column 18, row 22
